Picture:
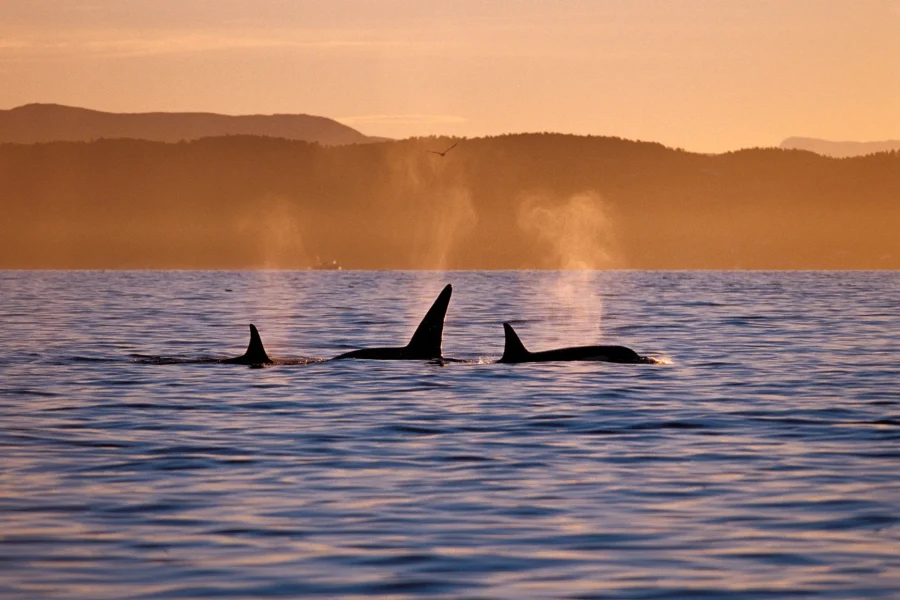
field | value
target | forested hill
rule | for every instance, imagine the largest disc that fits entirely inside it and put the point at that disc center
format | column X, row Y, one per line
column 514, row 201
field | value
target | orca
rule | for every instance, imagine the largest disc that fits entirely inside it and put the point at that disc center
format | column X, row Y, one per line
column 425, row 343
column 514, row 352
column 255, row 354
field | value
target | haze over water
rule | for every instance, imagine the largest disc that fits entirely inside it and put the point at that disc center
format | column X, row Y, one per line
column 760, row 462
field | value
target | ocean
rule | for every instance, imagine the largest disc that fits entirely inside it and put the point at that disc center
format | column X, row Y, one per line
column 759, row 459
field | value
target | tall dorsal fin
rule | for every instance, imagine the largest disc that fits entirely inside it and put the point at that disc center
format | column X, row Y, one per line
column 513, row 348
column 255, row 353
column 426, row 341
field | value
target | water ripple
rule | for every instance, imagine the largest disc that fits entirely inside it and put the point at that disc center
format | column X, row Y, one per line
column 758, row 461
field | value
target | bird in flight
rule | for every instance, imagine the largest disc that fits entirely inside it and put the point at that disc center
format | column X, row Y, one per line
column 444, row 153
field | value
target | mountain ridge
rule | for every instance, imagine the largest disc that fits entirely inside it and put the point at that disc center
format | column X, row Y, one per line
column 48, row 122
column 838, row 149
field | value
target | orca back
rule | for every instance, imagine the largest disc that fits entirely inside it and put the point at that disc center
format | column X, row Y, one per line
column 514, row 351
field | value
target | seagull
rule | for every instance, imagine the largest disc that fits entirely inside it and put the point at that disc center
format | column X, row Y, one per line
column 444, row 153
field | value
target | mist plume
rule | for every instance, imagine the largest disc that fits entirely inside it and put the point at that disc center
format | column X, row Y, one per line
column 273, row 234
column 577, row 233
column 438, row 206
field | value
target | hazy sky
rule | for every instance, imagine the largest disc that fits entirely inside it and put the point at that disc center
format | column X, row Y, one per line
column 706, row 75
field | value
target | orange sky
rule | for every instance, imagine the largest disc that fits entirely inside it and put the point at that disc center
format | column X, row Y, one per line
column 705, row 75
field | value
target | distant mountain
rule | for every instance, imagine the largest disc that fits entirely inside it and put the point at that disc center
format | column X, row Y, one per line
column 839, row 149
column 33, row 123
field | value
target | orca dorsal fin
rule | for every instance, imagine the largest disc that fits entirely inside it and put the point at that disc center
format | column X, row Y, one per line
column 426, row 341
column 513, row 348
column 255, row 353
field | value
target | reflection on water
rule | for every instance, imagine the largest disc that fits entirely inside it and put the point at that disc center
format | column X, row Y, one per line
column 760, row 463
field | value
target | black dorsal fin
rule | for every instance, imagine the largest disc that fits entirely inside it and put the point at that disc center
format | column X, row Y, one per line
column 426, row 341
column 255, row 353
column 513, row 348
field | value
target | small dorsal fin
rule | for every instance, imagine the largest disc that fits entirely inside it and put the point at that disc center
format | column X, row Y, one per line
column 513, row 348
column 426, row 341
column 255, row 353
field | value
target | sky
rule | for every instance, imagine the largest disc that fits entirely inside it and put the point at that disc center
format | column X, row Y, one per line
column 704, row 75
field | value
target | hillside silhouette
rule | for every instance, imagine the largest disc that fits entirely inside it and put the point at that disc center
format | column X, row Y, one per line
column 33, row 123
column 508, row 202
column 839, row 149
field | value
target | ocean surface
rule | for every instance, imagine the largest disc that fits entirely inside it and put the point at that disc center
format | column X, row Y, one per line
column 760, row 459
